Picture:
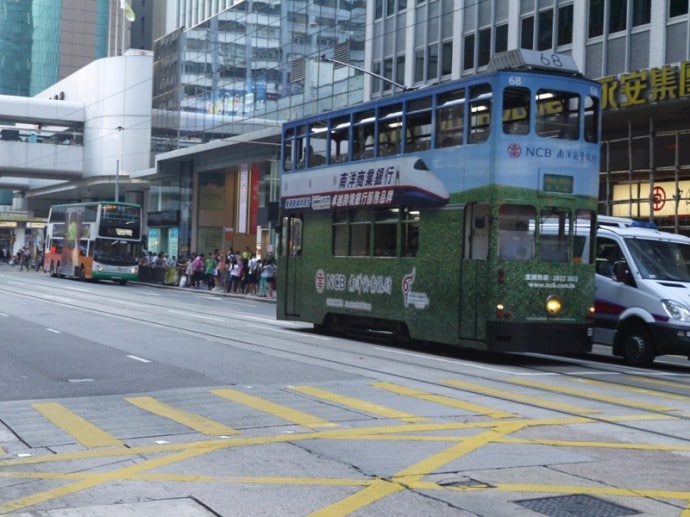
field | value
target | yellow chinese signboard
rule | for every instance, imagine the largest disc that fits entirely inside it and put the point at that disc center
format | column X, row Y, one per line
column 641, row 87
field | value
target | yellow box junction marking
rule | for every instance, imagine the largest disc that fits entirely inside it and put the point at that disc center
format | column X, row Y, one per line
column 589, row 395
column 286, row 413
column 443, row 400
column 191, row 420
column 360, row 405
column 632, row 389
column 511, row 395
column 659, row 382
column 78, row 428
column 376, row 489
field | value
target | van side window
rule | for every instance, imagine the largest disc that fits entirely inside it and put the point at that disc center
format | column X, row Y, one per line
column 608, row 253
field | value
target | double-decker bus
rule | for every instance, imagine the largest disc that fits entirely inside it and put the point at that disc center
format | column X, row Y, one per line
column 461, row 213
column 95, row 241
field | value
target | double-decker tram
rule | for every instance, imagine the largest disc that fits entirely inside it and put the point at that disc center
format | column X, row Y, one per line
column 460, row 213
column 94, row 241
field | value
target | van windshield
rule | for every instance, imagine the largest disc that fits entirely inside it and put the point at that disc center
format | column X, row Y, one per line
column 661, row 260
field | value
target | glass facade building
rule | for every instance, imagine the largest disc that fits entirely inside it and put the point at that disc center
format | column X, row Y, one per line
column 247, row 69
column 43, row 41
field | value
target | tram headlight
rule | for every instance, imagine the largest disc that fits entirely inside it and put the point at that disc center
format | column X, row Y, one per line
column 553, row 305
column 501, row 312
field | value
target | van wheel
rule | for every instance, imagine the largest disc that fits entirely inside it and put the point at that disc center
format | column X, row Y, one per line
column 638, row 348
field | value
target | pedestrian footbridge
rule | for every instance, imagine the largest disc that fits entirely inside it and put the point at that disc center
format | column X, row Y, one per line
column 40, row 139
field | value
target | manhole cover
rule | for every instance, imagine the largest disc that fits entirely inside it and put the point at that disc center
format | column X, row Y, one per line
column 576, row 506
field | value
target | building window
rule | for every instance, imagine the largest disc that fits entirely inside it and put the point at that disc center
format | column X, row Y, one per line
column 432, row 62
column 376, row 83
column 596, row 18
column 378, row 9
column 641, row 12
column 447, row 58
column 677, row 8
column 400, row 69
column 419, row 65
column 387, row 73
column 545, row 30
column 402, row 5
column 390, row 7
column 527, row 33
column 618, row 15
column 484, row 53
column 565, row 25
column 469, row 52
column 501, row 43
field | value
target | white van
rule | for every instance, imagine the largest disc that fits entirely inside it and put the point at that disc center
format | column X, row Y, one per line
column 642, row 290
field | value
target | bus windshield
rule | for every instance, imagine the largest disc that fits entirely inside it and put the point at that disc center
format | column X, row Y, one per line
column 114, row 253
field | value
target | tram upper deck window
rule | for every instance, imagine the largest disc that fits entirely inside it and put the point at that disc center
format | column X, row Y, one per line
column 450, row 118
column 389, row 125
column 558, row 114
column 480, row 113
column 288, row 149
column 363, row 135
column 339, row 140
column 591, row 119
column 418, row 125
column 316, row 150
column 516, row 111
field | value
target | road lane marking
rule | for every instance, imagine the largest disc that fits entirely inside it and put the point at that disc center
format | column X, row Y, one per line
column 510, row 395
column 443, row 400
column 53, row 331
column 462, row 363
column 137, row 358
column 358, row 404
column 78, row 428
column 194, row 315
column 592, row 396
column 284, row 412
column 191, row 420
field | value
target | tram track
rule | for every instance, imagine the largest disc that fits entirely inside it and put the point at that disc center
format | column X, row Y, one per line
column 444, row 370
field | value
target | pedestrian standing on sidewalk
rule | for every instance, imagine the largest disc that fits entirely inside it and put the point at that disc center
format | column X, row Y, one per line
column 198, row 271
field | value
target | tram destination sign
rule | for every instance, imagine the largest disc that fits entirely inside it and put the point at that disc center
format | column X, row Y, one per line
column 558, row 183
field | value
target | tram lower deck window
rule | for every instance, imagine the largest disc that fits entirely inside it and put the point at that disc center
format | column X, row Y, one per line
column 384, row 232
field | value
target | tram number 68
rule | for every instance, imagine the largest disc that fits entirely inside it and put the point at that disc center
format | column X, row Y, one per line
column 553, row 60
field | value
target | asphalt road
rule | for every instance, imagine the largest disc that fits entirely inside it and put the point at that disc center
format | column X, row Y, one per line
column 137, row 400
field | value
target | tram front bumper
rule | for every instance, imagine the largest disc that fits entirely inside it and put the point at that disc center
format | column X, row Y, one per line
column 541, row 337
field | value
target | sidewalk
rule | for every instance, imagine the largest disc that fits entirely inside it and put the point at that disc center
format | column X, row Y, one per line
column 204, row 290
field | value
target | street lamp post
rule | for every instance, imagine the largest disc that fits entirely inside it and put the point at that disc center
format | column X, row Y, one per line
column 117, row 171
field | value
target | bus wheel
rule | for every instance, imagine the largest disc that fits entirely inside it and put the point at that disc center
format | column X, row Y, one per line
column 638, row 348
column 123, row 282
column 82, row 273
